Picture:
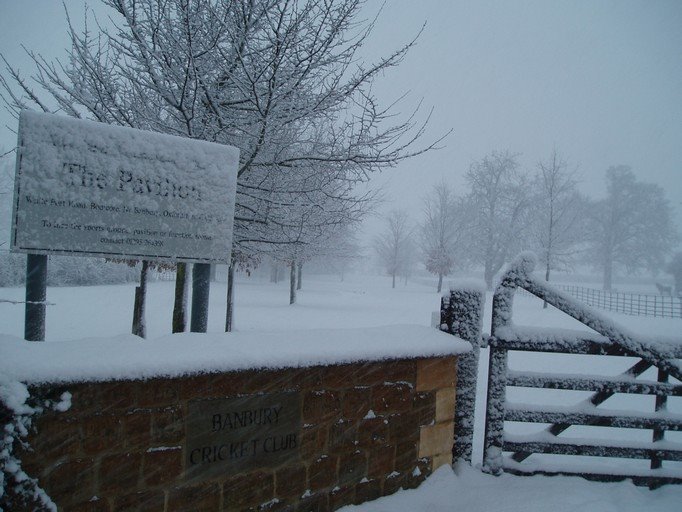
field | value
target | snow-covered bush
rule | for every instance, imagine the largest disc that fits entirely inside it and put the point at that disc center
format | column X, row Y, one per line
column 12, row 269
column 17, row 410
column 68, row 271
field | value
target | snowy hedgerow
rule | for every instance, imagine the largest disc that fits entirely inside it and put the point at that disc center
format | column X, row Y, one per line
column 17, row 409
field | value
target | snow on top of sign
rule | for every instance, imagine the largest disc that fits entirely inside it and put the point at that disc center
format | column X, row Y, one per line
column 97, row 146
column 139, row 142
column 129, row 357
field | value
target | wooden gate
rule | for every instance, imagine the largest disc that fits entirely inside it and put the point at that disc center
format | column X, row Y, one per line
column 558, row 449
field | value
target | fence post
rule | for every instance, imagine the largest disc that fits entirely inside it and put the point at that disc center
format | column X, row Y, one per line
column 461, row 314
column 660, row 405
column 503, row 300
column 494, row 412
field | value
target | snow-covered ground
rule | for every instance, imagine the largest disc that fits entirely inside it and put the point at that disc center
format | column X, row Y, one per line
column 364, row 301
column 324, row 302
column 467, row 489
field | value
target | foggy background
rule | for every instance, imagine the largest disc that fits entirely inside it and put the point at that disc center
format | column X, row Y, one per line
column 599, row 80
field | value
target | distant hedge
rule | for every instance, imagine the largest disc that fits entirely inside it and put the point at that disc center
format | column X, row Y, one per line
column 68, row 271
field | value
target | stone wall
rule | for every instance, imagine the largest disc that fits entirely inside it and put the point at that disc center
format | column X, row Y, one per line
column 366, row 430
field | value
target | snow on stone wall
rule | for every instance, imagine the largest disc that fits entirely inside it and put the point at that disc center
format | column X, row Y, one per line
column 129, row 357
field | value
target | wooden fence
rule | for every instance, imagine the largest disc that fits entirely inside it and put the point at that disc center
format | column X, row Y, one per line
column 664, row 306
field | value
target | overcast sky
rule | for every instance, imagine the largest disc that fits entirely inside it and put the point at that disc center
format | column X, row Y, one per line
column 599, row 79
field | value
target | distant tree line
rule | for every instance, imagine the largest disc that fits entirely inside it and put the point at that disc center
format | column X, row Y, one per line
column 504, row 210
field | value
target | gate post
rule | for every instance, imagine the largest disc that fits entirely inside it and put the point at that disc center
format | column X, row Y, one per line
column 494, row 411
column 503, row 300
column 461, row 314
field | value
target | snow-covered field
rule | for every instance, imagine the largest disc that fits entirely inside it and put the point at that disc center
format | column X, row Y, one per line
column 363, row 301
column 324, row 302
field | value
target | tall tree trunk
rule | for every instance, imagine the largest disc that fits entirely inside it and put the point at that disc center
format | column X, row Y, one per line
column 274, row 273
column 139, row 326
column 608, row 274
column 544, row 304
column 180, row 304
column 229, row 314
column 299, row 281
column 393, row 275
column 488, row 275
column 440, row 282
column 292, row 283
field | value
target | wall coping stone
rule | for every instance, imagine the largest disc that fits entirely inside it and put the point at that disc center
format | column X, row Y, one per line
column 129, row 357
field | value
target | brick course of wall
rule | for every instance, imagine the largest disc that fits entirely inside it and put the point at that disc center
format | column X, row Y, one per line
column 121, row 444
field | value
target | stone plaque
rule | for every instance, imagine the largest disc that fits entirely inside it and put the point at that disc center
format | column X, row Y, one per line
column 231, row 435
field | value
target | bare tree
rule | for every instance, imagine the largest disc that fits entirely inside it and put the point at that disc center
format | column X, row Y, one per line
column 442, row 232
column 5, row 199
column 394, row 246
column 336, row 255
column 631, row 227
column 280, row 80
column 314, row 218
column 498, row 203
column 675, row 268
column 334, row 242
column 558, row 214
column 12, row 266
column 342, row 250
column 244, row 263
column 410, row 259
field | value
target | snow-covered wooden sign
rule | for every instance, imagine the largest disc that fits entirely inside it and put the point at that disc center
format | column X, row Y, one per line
column 92, row 189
